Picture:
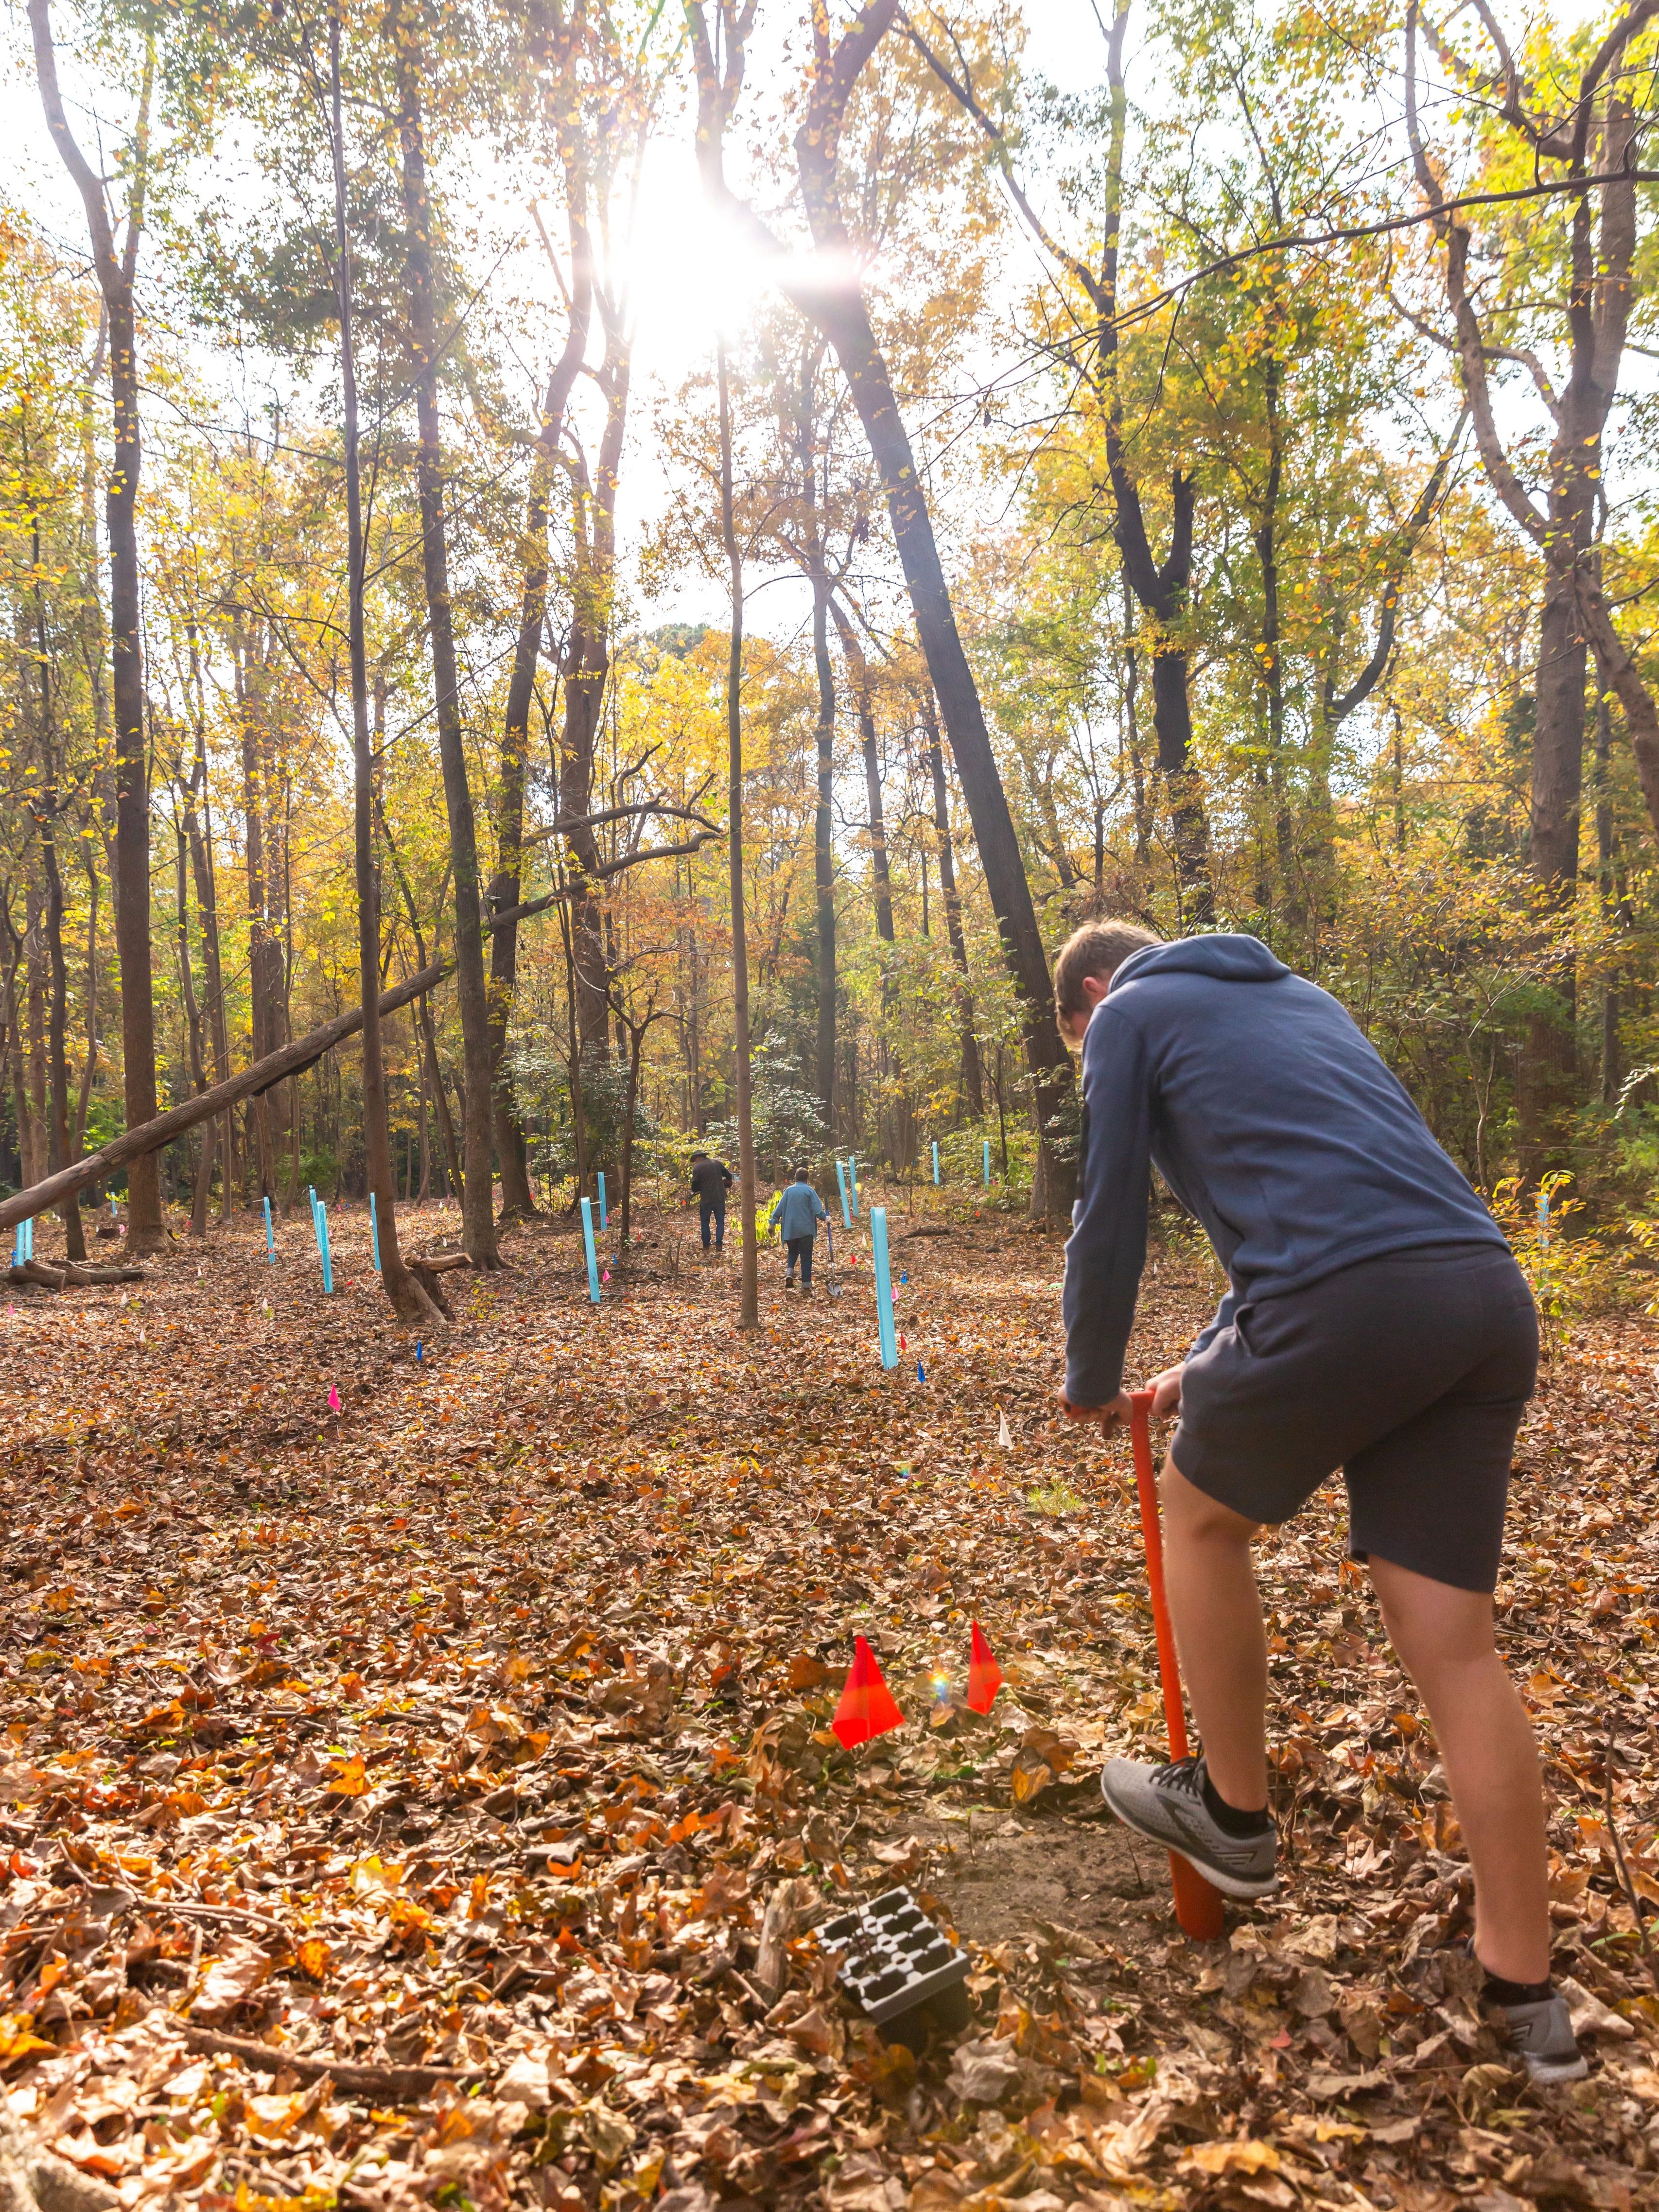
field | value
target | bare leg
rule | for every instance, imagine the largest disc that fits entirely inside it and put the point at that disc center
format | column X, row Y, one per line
column 1445, row 1639
column 1217, row 1613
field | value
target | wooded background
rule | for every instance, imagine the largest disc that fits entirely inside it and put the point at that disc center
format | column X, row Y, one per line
column 1213, row 490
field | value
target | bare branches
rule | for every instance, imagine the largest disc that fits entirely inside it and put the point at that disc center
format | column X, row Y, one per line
column 565, row 825
column 1337, row 709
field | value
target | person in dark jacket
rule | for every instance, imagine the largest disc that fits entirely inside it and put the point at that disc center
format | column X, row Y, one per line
column 710, row 1181
column 1374, row 1321
column 795, row 1216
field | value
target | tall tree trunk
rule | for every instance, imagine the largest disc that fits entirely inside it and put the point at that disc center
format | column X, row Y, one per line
column 1548, row 1070
column 973, row 1088
column 428, row 1031
column 425, row 1120
column 831, row 296
column 200, row 838
column 404, row 1292
column 587, row 671
column 198, row 1200
column 261, row 843
column 517, row 1199
column 858, row 676
column 27, row 1170
column 34, row 942
column 90, row 1066
column 1600, row 133
column 823, row 854
column 518, row 1202
column 471, row 988
column 46, row 822
column 1608, row 885
column 631, row 1105
column 146, row 1231
column 59, row 1151
column 1046, row 1060
column 749, row 1312
column 1161, row 587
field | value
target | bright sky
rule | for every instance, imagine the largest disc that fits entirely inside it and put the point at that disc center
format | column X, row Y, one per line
column 688, row 274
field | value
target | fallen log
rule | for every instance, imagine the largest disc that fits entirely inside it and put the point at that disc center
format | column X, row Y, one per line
column 440, row 1263
column 69, row 1275
column 151, row 1136
column 290, row 1059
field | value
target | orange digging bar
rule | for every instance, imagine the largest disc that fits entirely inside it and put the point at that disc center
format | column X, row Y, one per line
column 1197, row 1902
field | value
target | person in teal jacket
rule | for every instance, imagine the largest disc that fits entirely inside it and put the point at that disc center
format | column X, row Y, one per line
column 796, row 1215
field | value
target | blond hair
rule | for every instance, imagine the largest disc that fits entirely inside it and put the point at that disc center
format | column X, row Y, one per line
column 1099, row 948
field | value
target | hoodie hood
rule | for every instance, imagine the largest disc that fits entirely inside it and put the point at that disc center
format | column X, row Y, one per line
column 1228, row 959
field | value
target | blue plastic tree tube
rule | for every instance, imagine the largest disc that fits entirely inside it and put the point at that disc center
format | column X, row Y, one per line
column 605, row 1216
column 884, row 1334
column 323, row 1248
column 270, row 1241
column 936, row 1159
column 840, row 1177
column 592, row 1256
column 375, row 1230
column 853, row 1180
column 988, row 1163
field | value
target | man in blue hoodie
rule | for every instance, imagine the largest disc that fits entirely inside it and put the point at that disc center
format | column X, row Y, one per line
column 1375, row 1323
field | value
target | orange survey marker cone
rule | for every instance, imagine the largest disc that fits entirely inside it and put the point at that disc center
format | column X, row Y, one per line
column 866, row 1707
column 984, row 1675
column 1197, row 1902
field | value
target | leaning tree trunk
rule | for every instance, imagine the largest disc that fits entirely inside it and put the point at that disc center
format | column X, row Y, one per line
column 834, row 301
column 828, row 293
column 146, row 1231
column 471, row 988
column 1048, row 1061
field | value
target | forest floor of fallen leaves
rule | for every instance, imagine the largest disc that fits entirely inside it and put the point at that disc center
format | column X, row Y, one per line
column 433, row 1802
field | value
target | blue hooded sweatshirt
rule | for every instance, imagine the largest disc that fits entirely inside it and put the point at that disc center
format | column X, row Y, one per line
column 1270, row 1117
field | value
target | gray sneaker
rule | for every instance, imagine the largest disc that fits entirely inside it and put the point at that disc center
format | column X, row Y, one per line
column 1541, row 2035
column 1166, row 1805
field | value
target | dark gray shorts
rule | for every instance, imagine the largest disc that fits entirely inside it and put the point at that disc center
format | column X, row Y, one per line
column 1409, row 1372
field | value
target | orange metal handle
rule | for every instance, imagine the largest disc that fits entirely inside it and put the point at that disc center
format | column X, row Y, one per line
column 1197, row 1902
column 1151, row 1536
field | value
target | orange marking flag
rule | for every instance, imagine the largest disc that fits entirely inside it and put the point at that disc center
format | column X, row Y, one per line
column 984, row 1675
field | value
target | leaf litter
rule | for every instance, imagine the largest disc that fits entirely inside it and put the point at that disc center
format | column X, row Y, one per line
column 432, row 1801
